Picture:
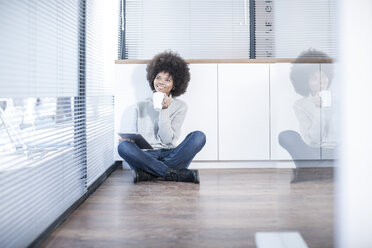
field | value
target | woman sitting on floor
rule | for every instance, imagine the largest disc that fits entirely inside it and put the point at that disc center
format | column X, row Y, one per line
column 168, row 73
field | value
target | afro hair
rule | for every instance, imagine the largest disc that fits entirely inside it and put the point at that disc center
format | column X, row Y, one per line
column 173, row 64
column 300, row 73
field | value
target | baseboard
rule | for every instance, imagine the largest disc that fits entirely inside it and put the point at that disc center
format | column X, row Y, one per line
column 37, row 242
column 240, row 164
column 245, row 164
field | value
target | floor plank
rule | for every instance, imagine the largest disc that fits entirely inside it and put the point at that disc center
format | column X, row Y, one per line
column 225, row 210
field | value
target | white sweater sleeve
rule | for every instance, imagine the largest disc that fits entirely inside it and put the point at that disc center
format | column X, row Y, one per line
column 170, row 125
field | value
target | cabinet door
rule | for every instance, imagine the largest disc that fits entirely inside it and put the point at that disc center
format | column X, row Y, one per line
column 243, row 104
column 284, row 101
column 201, row 99
column 131, row 86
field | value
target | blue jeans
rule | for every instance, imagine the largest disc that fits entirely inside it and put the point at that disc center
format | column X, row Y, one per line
column 157, row 161
column 301, row 152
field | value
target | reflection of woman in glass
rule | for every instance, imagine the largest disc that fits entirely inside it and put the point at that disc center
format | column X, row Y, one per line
column 167, row 73
column 313, row 111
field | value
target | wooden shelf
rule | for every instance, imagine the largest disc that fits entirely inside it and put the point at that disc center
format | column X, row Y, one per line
column 217, row 61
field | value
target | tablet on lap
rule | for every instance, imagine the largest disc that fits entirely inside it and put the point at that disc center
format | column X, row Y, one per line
column 138, row 139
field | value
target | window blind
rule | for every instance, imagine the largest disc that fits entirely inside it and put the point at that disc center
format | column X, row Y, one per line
column 221, row 29
column 42, row 151
column 197, row 29
column 301, row 25
column 101, row 50
column 56, row 109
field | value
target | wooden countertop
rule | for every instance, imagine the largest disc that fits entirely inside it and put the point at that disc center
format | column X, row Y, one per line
column 214, row 61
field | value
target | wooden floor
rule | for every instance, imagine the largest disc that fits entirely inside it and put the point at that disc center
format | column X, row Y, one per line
column 225, row 210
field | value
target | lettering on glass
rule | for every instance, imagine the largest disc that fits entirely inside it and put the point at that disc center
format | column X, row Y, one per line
column 265, row 29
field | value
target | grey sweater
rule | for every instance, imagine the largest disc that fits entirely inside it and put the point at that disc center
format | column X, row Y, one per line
column 317, row 124
column 160, row 128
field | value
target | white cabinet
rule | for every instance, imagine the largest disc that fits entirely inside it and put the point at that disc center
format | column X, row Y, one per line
column 243, row 109
column 283, row 101
column 201, row 99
